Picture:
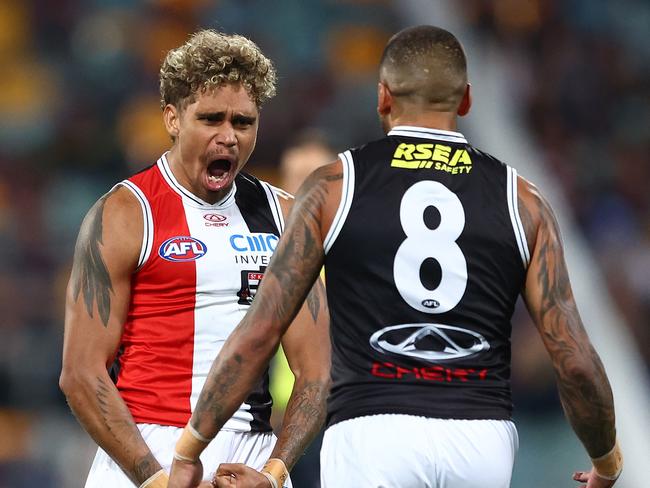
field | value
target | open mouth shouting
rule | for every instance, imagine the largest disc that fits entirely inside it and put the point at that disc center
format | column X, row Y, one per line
column 220, row 173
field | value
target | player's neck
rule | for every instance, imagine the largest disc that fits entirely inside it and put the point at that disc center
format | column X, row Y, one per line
column 430, row 120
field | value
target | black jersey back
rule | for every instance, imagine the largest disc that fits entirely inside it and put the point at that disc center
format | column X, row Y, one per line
column 425, row 259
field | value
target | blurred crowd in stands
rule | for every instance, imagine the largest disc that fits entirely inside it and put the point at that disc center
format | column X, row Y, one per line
column 79, row 111
column 582, row 72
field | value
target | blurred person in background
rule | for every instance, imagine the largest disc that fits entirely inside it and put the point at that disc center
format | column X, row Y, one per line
column 415, row 228
column 310, row 150
column 165, row 266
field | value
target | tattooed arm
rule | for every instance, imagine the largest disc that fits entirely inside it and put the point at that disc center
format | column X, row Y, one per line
column 583, row 386
column 295, row 266
column 97, row 301
column 306, row 345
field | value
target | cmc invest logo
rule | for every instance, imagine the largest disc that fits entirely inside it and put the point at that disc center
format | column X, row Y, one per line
column 428, row 342
column 182, row 248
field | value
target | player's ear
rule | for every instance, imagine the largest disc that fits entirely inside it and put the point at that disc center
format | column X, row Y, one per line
column 384, row 99
column 466, row 101
column 171, row 117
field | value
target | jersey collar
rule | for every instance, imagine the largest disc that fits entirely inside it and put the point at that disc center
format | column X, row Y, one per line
column 426, row 133
column 189, row 197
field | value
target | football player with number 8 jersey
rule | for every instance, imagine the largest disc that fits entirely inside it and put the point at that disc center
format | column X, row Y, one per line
column 427, row 243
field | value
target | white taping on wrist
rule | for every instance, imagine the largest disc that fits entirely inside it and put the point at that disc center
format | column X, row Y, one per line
column 274, row 484
column 185, row 459
column 197, row 434
column 149, row 481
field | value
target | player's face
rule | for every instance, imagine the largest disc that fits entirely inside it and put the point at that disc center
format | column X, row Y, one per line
column 216, row 136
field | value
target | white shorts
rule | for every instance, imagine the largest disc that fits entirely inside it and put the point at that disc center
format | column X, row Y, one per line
column 251, row 448
column 405, row 451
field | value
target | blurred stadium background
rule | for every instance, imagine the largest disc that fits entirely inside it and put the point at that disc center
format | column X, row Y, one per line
column 562, row 92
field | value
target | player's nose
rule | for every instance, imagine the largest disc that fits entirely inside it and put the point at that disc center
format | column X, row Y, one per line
column 226, row 135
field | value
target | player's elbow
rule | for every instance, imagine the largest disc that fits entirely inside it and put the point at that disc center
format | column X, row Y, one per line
column 263, row 341
column 320, row 372
column 586, row 376
column 315, row 373
column 67, row 381
column 263, row 346
column 73, row 381
column 577, row 370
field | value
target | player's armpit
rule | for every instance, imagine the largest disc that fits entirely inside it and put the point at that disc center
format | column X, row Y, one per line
column 582, row 382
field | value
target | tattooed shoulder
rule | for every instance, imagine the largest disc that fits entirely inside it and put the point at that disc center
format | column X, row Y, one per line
column 90, row 275
column 324, row 175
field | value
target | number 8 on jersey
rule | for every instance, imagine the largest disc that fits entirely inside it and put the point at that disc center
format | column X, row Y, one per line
column 424, row 243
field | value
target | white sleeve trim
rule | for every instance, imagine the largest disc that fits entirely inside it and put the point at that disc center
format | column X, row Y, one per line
column 276, row 210
column 513, row 209
column 147, row 234
column 347, row 193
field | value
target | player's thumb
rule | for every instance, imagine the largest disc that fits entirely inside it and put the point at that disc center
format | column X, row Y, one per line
column 227, row 469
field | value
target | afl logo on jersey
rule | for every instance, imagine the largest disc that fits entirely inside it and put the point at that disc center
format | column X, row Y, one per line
column 430, row 303
column 429, row 342
column 182, row 248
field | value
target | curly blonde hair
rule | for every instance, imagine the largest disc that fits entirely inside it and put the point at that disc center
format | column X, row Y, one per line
column 210, row 59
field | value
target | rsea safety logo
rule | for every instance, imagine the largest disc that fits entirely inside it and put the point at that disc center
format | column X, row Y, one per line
column 432, row 156
column 182, row 248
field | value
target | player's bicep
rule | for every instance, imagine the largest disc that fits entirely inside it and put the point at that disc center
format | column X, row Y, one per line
column 98, row 292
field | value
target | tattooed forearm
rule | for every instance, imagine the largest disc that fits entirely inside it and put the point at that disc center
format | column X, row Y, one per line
column 298, row 261
column 144, row 468
column 303, row 419
column 89, row 272
column 582, row 382
column 122, row 432
column 215, row 404
column 588, row 404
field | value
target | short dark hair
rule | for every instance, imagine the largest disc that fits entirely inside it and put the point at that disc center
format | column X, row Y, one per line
column 425, row 64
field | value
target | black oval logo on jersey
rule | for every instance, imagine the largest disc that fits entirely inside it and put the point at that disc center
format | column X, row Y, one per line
column 430, row 303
